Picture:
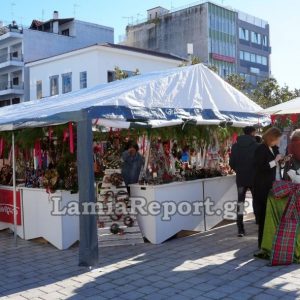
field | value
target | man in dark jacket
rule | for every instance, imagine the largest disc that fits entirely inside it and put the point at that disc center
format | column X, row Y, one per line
column 132, row 163
column 242, row 162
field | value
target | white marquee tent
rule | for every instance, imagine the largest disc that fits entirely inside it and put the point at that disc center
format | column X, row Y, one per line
column 156, row 99
column 289, row 107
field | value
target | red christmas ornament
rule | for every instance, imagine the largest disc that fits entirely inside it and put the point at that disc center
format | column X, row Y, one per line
column 283, row 118
column 294, row 118
column 273, row 119
column 234, row 137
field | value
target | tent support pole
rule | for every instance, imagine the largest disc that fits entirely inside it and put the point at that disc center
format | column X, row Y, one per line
column 88, row 244
column 14, row 188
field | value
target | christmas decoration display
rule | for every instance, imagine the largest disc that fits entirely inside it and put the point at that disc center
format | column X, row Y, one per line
column 6, row 175
column 45, row 158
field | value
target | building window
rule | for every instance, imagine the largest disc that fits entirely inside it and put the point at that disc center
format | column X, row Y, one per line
column 255, row 37
column 66, row 32
column 264, row 60
column 39, row 89
column 15, row 81
column 244, row 34
column 265, row 41
column 66, row 83
column 241, row 55
column 252, row 57
column 15, row 101
column 54, row 85
column 258, row 59
column 83, row 80
column 247, row 56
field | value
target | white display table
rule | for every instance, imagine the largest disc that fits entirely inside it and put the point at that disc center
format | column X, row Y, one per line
column 6, row 210
column 60, row 231
column 153, row 227
column 221, row 191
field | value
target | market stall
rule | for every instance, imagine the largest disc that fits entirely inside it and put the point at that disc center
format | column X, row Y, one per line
column 45, row 170
column 7, row 210
column 191, row 95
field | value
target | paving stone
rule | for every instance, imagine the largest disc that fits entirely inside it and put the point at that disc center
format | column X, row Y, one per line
column 210, row 265
column 264, row 296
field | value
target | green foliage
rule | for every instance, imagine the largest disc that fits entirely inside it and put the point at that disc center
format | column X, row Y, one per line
column 238, row 82
column 26, row 138
column 186, row 134
column 267, row 93
column 120, row 74
column 195, row 60
column 213, row 68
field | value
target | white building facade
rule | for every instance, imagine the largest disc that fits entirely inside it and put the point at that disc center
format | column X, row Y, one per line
column 40, row 40
column 91, row 66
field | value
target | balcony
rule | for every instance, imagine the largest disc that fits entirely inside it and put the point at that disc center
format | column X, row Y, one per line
column 11, row 32
column 9, row 88
column 11, row 61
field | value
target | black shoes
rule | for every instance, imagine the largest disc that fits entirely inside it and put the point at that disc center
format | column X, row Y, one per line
column 241, row 232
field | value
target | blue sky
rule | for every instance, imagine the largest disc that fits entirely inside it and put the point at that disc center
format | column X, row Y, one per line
column 283, row 17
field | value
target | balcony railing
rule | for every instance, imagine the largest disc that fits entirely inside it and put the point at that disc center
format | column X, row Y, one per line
column 6, row 85
column 11, row 57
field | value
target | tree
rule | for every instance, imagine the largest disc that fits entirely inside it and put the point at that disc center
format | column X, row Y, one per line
column 239, row 83
column 194, row 61
column 269, row 93
column 213, row 68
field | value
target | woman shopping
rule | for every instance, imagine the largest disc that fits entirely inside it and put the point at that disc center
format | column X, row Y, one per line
column 266, row 158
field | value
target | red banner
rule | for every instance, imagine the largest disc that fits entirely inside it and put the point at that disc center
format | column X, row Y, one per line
column 223, row 57
column 7, row 207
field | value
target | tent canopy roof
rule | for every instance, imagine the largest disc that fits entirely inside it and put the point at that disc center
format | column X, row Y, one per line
column 289, row 107
column 161, row 98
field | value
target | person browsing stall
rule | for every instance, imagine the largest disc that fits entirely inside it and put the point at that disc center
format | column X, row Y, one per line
column 266, row 158
column 132, row 163
column 242, row 162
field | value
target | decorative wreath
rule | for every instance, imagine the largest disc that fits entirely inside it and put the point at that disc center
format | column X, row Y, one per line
column 114, row 228
column 50, row 180
column 6, row 175
column 122, row 196
column 128, row 221
column 116, row 216
column 116, row 179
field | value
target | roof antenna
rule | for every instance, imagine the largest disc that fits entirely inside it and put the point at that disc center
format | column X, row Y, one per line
column 12, row 4
column 75, row 5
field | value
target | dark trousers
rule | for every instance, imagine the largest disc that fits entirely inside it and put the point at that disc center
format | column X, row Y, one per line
column 260, row 198
column 242, row 190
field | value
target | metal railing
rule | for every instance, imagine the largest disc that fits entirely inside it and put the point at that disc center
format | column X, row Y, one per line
column 11, row 57
column 6, row 85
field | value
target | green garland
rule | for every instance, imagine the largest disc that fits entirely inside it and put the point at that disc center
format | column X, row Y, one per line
column 184, row 135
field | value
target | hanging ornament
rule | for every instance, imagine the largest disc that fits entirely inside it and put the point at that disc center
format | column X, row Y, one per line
column 1, row 147
column 71, row 137
column 234, row 137
column 128, row 221
column 273, row 119
column 294, row 118
column 114, row 228
column 50, row 133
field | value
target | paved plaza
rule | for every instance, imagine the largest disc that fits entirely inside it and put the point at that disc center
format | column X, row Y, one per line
column 210, row 265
